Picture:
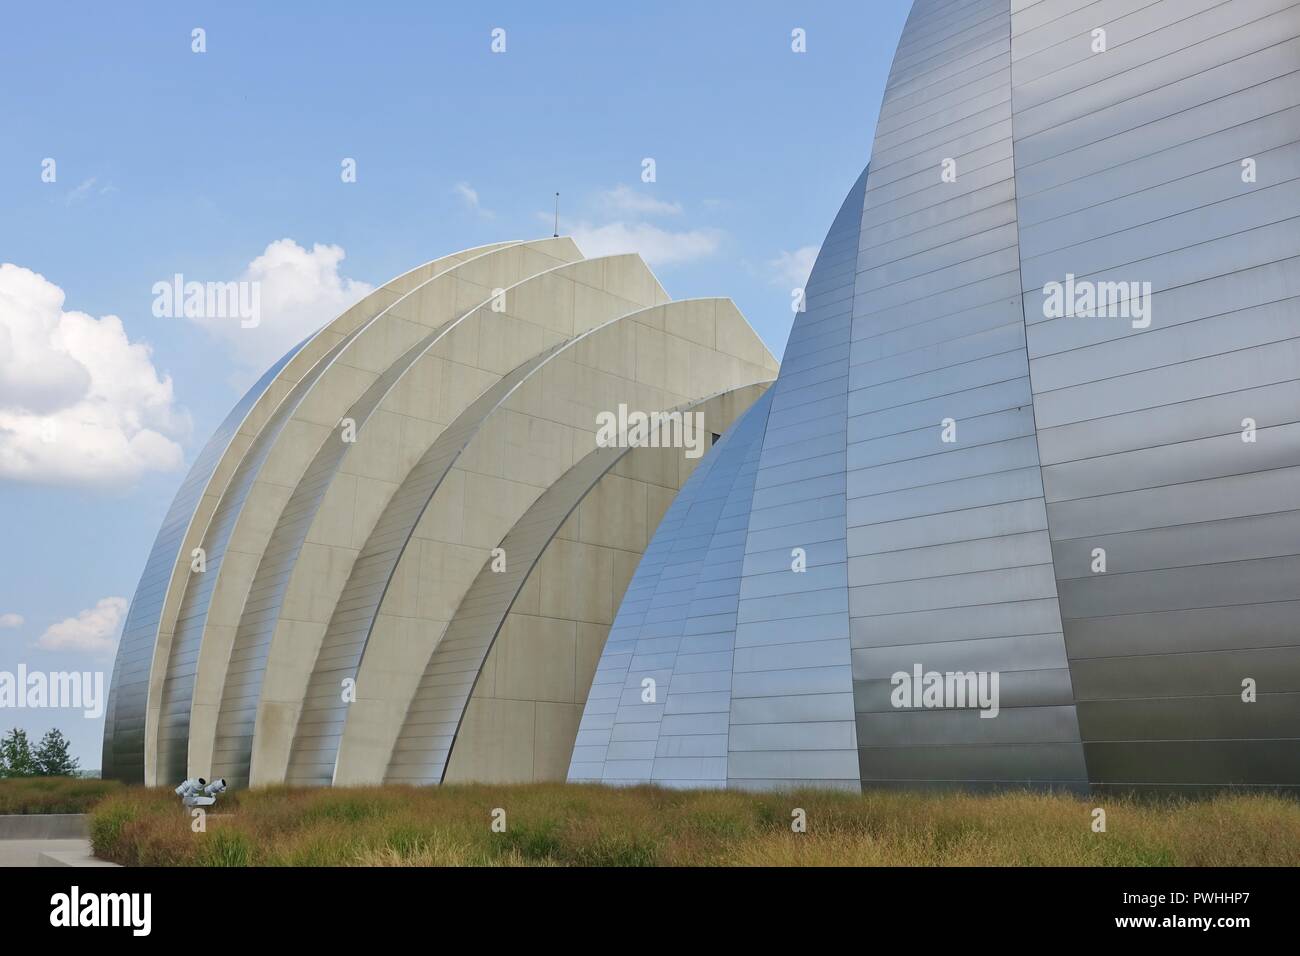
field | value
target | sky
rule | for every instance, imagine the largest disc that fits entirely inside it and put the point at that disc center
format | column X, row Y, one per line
column 127, row 157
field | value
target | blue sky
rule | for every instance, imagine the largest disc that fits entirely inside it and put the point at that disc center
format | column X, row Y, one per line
column 170, row 161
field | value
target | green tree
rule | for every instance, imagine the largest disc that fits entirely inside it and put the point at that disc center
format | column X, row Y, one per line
column 16, row 759
column 52, row 757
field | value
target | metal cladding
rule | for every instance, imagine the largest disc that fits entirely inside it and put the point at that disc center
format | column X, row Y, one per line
column 350, row 513
column 1021, row 508
column 1023, row 505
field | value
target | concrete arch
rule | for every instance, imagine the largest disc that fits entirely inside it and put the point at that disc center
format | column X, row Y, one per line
column 432, row 726
column 533, row 315
column 414, row 592
column 131, row 722
column 308, row 427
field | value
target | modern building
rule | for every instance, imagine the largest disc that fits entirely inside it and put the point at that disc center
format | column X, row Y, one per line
column 1100, row 510
column 399, row 556
column 1022, row 506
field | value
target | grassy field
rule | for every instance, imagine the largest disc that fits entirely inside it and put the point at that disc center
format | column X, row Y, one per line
column 571, row 825
column 53, row 794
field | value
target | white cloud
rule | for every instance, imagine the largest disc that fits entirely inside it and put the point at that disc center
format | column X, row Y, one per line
column 299, row 291
column 793, row 268
column 470, row 196
column 79, row 402
column 94, row 629
column 81, row 192
column 11, row 620
column 623, row 199
column 658, row 247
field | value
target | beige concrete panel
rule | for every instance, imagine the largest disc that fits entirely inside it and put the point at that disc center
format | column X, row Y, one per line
column 336, row 513
column 658, row 499
column 574, row 580
column 736, row 337
column 644, row 480
column 300, row 364
column 419, row 392
column 322, row 569
column 591, row 642
column 454, row 564
column 614, row 514
column 444, row 518
column 224, row 611
column 573, row 389
column 325, row 406
column 555, row 728
column 391, row 678
column 622, row 273
column 566, row 562
column 368, row 505
column 698, row 324
column 535, row 660
column 300, row 440
column 624, row 566
column 506, row 728
column 514, row 338
column 281, row 699
column 376, row 345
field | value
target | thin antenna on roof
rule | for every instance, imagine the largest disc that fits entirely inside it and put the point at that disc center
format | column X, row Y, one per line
column 556, row 235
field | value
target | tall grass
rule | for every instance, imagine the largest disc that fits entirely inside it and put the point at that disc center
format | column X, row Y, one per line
column 53, row 794
column 588, row 825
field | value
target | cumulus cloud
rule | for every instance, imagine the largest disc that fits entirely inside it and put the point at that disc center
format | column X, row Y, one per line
column 94, row 629
column 658, row 247
column 624, row 199
column 627, row 230
column 469, row 195
column 9, row 621
column 793, row 268
column 79, row 402
column 298, row 291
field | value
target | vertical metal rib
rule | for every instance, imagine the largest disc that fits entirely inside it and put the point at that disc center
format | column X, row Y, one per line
column 178, row 686
column 242, row 688
column 124, row 730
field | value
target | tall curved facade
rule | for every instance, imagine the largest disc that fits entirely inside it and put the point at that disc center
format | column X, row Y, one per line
column 1078, row 526
column 385, row 502
column 1022, row 506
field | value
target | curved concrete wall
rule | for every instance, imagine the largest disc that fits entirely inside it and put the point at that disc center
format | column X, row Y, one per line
column 274, row 552
column 524, row 671
column 130, row 737
column 522, row 446
column 448, row 372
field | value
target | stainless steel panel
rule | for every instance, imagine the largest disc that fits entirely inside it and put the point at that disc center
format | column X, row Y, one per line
column 123, row 751
column 1130, row 162
column 689, row 655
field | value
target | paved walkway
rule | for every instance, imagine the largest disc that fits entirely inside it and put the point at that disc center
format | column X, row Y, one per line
column 57, row 853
